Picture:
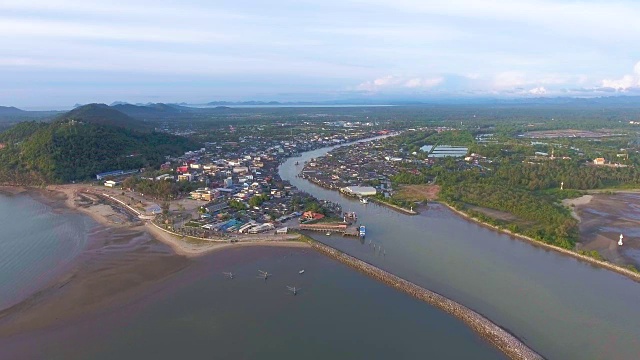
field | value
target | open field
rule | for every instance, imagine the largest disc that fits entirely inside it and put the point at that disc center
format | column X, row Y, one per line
column 418, row 192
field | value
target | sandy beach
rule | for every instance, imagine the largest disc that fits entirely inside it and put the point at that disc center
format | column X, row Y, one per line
column 190, row 248
column 106, row 215
column 125, row 259
column 573, row 203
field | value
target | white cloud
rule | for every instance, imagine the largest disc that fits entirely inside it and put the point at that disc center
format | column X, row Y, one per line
column 424, row 82
column 391, row 82
column 625, row 83
column 510, row 80
column 540, row 90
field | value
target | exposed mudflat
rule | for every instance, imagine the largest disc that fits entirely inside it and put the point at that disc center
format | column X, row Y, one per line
column 603, row 219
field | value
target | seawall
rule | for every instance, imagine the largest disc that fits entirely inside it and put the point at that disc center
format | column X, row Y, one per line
column 394, row 207
column 500, row 338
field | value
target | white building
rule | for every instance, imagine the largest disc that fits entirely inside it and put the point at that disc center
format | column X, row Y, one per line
column 359, row 190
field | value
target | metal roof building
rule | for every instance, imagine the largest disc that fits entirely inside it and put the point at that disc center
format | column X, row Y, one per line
column 359, row 190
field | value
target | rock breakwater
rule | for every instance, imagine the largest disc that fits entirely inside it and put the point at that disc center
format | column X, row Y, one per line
column 499, row 337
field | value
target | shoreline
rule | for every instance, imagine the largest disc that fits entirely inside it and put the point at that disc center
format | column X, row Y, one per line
column 184, row 248
column 178, row 246
column 572, row 204
column 570, row 253
column 71, row 193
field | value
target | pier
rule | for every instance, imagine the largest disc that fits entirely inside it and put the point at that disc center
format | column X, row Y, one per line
column 500, row 338
column 343, row 228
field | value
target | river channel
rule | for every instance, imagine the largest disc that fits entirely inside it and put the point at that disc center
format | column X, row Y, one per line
column 560, row 307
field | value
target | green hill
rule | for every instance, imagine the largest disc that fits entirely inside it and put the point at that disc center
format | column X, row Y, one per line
column 81, row 143
column 101, row 114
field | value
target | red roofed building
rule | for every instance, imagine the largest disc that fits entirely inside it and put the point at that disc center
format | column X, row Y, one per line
column 183, row 169
column 310, row 215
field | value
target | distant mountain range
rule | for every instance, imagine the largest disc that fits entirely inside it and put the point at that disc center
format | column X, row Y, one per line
column 159, row 110
column 610, row 100
column 11, row 111
column 152, row 110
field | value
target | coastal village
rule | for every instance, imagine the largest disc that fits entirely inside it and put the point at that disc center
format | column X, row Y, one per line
column 231, row 190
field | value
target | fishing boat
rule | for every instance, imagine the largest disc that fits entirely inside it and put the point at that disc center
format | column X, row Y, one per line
column 362, row 231
column 350, row 217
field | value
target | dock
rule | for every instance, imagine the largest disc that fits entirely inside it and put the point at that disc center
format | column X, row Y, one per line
column 345, row 229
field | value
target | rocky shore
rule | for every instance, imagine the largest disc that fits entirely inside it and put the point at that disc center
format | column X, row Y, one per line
column 500, row 338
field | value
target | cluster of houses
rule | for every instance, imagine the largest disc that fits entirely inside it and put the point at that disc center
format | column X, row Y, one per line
column 238, row 184
column 232, row 174
column 367, row 165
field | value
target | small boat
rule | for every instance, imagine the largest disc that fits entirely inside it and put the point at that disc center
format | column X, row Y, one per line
column 362, row 231
column 364, row 201
column 301, row 271
column 328, row 233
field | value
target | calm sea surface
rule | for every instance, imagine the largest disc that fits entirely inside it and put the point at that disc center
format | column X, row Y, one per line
column 197, row 313
column 562, row 308
column 36, row 243
column 338, row 314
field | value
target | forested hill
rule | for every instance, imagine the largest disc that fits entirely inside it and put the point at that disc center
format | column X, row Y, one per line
column 101, row 114
column 81, row 143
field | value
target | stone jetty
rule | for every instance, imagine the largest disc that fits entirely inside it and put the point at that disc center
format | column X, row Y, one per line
column 499, row 337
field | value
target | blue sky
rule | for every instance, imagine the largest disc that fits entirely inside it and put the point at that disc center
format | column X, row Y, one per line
column 55, row 53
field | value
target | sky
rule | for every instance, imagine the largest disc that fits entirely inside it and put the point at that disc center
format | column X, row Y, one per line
column 56, row 53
